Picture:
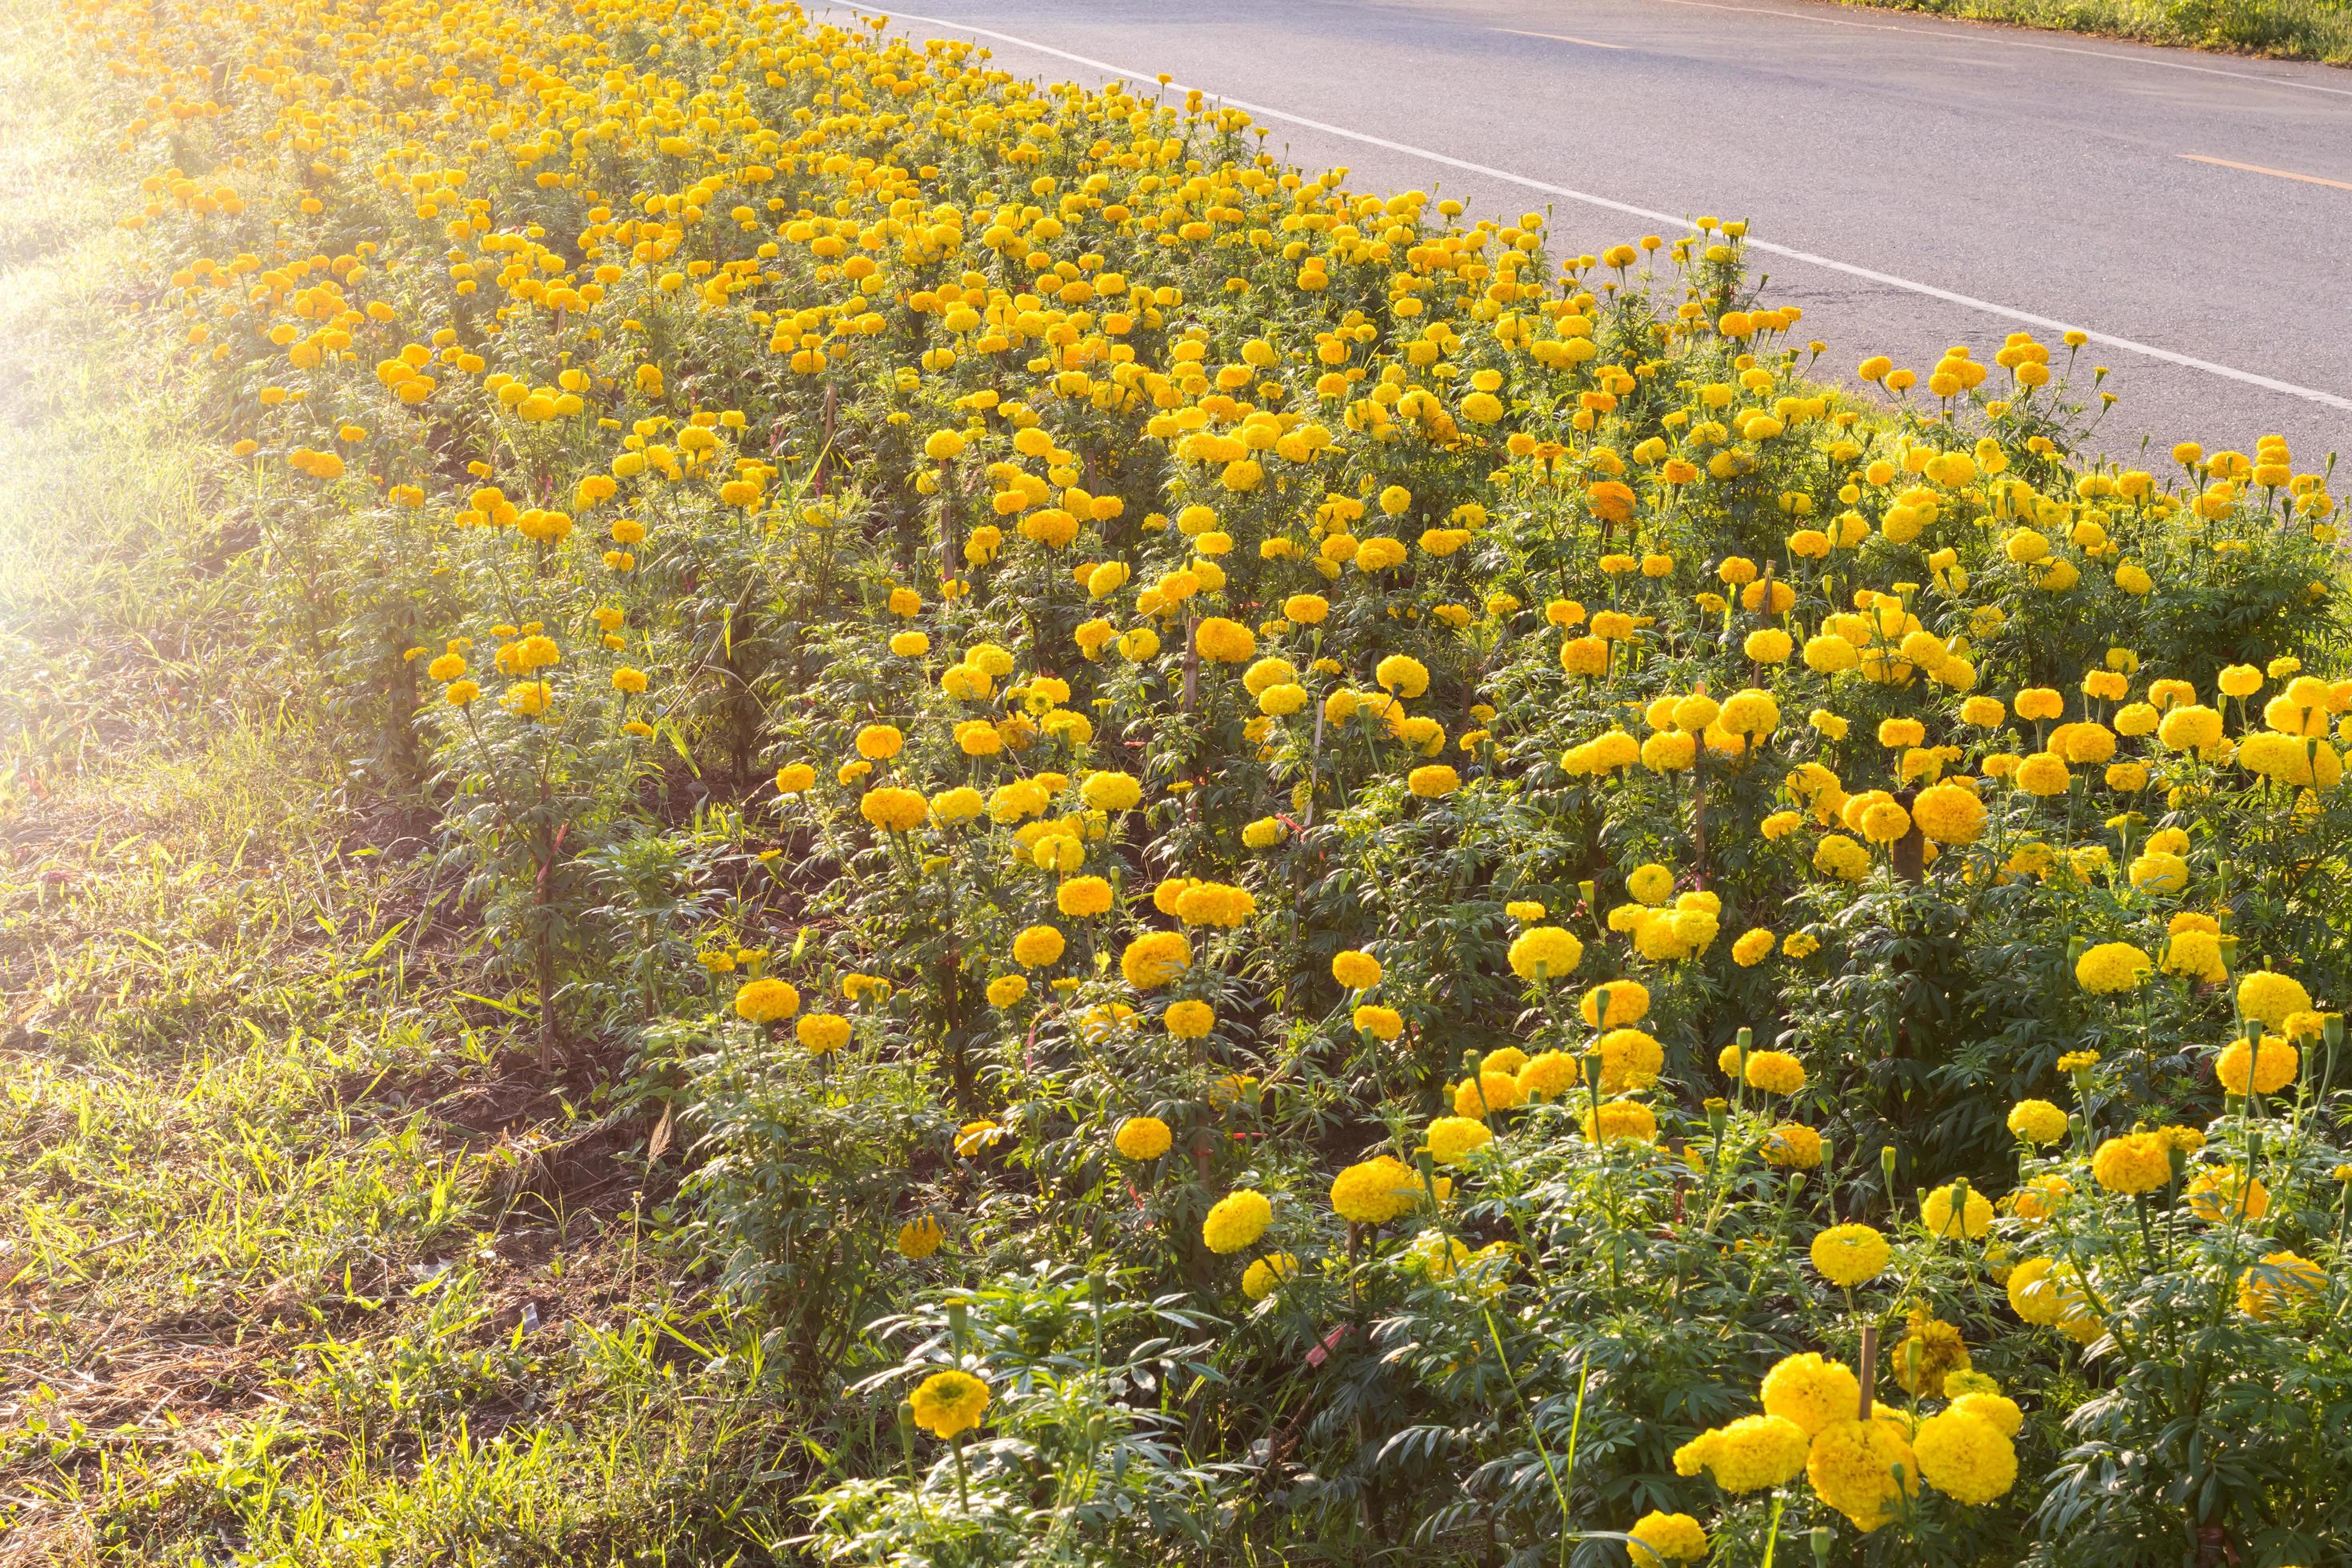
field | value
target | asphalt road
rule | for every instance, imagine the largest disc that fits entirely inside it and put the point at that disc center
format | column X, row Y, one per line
column 1929, row 181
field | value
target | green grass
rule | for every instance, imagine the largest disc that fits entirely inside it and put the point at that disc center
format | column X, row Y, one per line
column 2287, row 30
column 300, row 1261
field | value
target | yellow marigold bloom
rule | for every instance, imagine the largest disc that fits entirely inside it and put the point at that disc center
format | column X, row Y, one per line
column 1141, row 1138
column 2044, row 774
column 1547, row 953
column 2189, row 728
column 1225, row 641
column 1929, row 1352
column 1749, row 1455
column 894, row 810
column 795, row 778
column 1383, row 1024
column 461, row 692
column 1773, row 1072
column 1356, row 969
column 1453, row 1138
column 823, row 1033
column 1650, row 884
column 1264, row 1275
column 529, row 699
column 1972, row 1219
column 2134, row 1162
column 1375, row 1191
column 1007, row 990
column 1794, row 1145
column 2112, row 967
column 1849, row 1255
column 1403, row 674
column 767, row 1000
column 2228, row 1193
column 1111, row 791
column 1215, row 904
column 1495, row 1089
column 1190, row 1020
column 1037, row 946
column 1622, row 1121
column 2196, row 955
column 1863, row 1469
column 1662, row 1537
column 2240, row 680
column 1433, row 783
column 1841, row 857
column 1812, row 1391
column 2267, row 1067
column 919, row 1237
column 948, row 1403
column 1082, row 897
column 1753, row 947
column 2277, row 1283
column 1549, row 1074
column 1630, row 1060
column 1948, row 813
column 2037, row 1122
column 974, row 1138
column 1965, row 1457
column 879, row 742
column 2272, row 997
column 1628, row 1002
column 1156, row 958
column 1236, row 1220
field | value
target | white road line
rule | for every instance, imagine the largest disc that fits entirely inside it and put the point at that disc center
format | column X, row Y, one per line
column 2027, row 318
column 1559, row 38
column 2275, row 173
column 1987, row 38
column 1799, row 16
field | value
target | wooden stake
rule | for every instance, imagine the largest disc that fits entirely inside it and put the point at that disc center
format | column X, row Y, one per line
column 1869, row 1368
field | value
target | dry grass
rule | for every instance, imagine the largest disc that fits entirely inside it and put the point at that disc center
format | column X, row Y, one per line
column 294, row 1263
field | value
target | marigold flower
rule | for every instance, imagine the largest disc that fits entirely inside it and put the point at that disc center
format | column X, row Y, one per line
column 767, row 1000
column 1375, row 1191
column 823, row 1033
column 1546, row 954
column 1264, row 1275
column 894, row 810
column 1453, row 1138
column 1154, row 959
column 1628, row 1002
column 1750, row 1454
column 1863, row 1469
column 919, row 1237
column 2272, row 997
column 948, row 1403
column 1810, row 1391
column 2134, row 1162
column 1236, row 1220
column 1141, row 1138
column 1849, row 1255
column 1774, row 1072
column 1660, row 1538
column 2267, row 1067
column 2112, row 967
column 1956, row 1210
column 2037, row 1122
column 1965, row 1457
column 2276, row 1283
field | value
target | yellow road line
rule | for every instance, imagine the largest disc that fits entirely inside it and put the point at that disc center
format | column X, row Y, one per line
column 2275, row 173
